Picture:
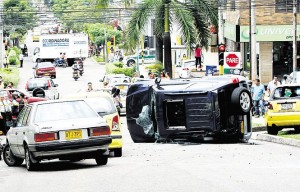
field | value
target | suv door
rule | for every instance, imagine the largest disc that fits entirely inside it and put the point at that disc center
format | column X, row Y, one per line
column 22, row 129
column 13, row 137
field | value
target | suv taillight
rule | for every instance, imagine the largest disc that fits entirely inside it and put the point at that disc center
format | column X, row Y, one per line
column 49, row 85
column 99, row 131
column 41, row 137
column 115, row 123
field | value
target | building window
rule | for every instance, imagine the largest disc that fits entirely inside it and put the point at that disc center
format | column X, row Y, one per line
column 286, row 6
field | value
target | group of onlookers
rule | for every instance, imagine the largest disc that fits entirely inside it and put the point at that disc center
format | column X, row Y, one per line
column 258, row 92
column 9, row 109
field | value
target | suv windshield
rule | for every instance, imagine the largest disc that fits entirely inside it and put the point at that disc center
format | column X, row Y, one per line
column 102, row 105
column 45, row 65
column 286, row 92
column 63, row 111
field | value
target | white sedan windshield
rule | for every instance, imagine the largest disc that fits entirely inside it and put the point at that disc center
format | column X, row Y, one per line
column 63, row 110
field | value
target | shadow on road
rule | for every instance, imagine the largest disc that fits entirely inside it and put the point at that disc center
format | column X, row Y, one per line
column 49, row 166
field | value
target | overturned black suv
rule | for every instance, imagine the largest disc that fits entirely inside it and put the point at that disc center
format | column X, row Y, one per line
column 215, row 106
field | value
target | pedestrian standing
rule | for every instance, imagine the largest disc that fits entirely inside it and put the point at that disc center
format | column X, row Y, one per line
column 6, row 62
column 272, row 85
column 285, row 80
column 21, row 57
column 5, row 113
column 117, row 100
column 258, row 93
column 198, row 56
column 23, row 102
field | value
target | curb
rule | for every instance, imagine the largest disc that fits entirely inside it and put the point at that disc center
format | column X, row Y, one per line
column 259, row 128
column 275, row 139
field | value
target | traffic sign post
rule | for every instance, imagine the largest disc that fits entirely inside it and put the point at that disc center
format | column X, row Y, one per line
column 232, row 63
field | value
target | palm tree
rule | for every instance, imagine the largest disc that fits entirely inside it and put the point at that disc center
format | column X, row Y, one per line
column 193, row 18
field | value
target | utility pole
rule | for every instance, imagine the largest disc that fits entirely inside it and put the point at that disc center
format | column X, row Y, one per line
column 253, row 58
column 294, row 39
column 105, row 46
column 221, row 40
column 2, row 50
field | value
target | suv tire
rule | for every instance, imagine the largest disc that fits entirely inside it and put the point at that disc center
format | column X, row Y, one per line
column 241, row 100
column 118, row 152
column 9, row 158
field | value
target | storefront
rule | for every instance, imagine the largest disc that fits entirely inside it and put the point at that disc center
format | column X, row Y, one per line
column 275, row 48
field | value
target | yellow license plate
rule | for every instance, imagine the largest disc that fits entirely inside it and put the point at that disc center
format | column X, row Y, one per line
column 74, row 134
column 121, row 87
column 46, row 74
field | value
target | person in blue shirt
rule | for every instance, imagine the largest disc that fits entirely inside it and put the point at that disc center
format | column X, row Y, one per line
column 258, row 93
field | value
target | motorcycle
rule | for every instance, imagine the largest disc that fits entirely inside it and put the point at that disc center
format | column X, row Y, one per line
column 60, row 63
column 76, row 74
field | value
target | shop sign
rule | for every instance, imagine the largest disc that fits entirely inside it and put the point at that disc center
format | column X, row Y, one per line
column 269, row 33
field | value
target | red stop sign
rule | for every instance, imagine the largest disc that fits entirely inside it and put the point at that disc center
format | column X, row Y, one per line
column 232, row 60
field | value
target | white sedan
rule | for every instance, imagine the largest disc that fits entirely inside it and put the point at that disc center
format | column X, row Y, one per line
column 66, row 129
column 185, row 70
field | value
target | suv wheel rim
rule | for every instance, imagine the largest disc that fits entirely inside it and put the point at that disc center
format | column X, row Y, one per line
column 245, row 101
column 8, row 155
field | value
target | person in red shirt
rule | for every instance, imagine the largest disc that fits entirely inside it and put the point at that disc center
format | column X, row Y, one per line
column 198, row 56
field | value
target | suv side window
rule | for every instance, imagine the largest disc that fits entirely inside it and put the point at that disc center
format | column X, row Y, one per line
column 20, row 118
column 25, row 120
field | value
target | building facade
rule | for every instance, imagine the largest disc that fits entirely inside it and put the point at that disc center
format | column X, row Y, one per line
column 274, row 34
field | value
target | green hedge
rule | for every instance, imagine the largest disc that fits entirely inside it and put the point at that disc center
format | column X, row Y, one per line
column 10, row 75
column 111, row 68
column 156, row 68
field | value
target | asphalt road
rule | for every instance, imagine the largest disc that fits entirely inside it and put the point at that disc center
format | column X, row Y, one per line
column 256, row 166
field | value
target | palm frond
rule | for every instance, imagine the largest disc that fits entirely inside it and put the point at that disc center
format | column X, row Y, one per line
column 184, row 19
column 139, row 19
column 209, row 9
column 159, row 20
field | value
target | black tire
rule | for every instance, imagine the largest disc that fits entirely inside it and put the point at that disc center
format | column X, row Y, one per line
column 101, row 159
column 130, row 63
column 297, row 129
column 118, row 152
column 9, row 158
column 38, row 92
column 272, row 130
column 30, row 165
column 241, row 100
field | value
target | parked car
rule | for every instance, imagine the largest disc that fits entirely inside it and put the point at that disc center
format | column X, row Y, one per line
column 43, row 69
column 217, row 106
column 148, row 56
column 28, row 97
column 44, row 83
column 186, row 68
column 66, row 129
column 283, row 109
column 115, row 78
column 103, row 104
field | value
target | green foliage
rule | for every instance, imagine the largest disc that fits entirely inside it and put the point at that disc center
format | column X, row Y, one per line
column 16, row 50
column 191, row 17
column 156, row 68
column 99, row 59
column 10, row 75
column 119, row 64
column 96, row 33
column 289, row 134
column 113, row 69
column 19, row 16
column 127, row 71
column 12, row 60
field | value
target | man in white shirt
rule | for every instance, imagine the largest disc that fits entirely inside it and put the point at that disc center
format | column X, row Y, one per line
column 272, row 85
column 21, row 58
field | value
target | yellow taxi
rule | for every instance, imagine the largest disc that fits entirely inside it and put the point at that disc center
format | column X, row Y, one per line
column 283, row 109
column 103, row 104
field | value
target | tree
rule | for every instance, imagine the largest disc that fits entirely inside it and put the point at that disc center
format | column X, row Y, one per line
column 193, row 18
column 18, row 18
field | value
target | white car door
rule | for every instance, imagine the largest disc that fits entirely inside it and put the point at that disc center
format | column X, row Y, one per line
column 23, row 129
column 13, row 134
